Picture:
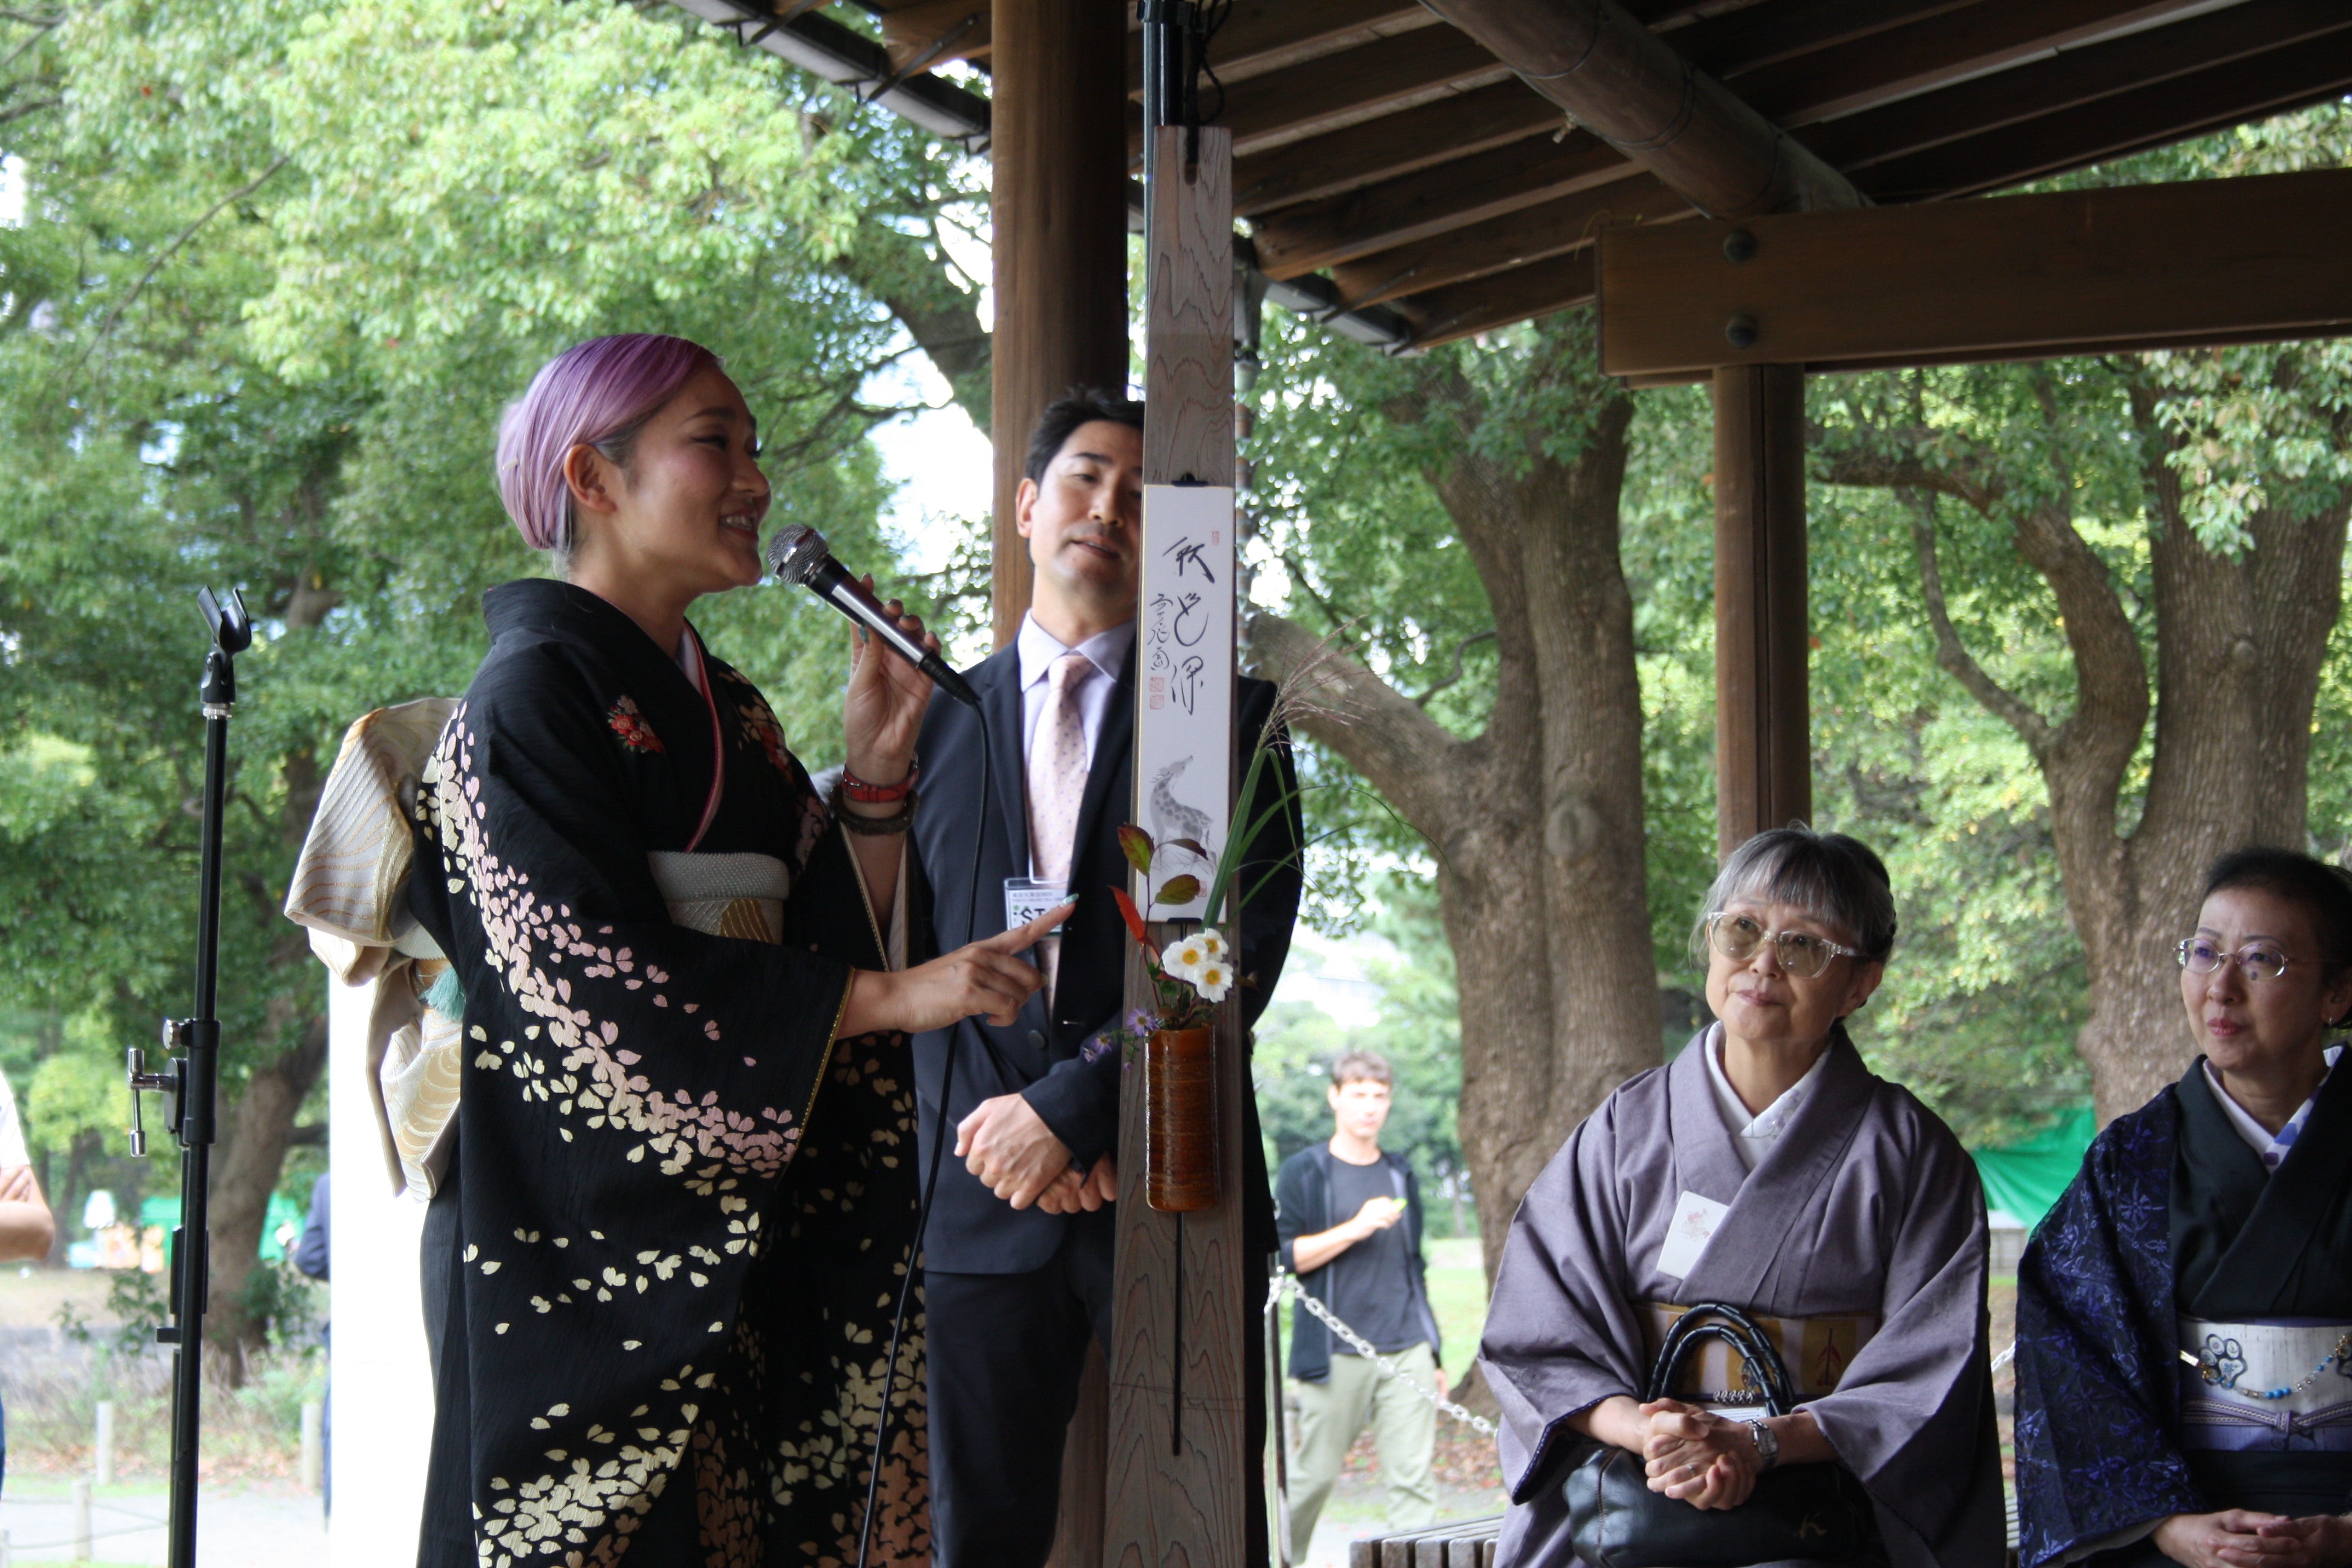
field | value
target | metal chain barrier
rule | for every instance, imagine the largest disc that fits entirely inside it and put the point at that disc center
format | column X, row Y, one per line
column 1363, row 1347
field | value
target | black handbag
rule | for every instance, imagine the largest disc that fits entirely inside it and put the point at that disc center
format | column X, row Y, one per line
column 1812, row 1512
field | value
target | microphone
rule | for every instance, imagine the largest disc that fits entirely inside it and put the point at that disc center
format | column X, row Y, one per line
column 799, row 555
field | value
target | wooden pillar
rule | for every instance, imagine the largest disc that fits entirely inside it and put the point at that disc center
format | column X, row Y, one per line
column 1058, row 145
column 1763, row 751
column 1085, row 1449
column 1181, row 1303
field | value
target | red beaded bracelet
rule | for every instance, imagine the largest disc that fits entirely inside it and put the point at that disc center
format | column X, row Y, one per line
column 864, row 794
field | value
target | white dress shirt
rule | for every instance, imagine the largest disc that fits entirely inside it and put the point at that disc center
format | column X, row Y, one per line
column 1038, row 648
column 1753, row 1135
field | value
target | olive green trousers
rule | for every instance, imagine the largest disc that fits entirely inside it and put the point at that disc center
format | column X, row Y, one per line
column 1404, row 1430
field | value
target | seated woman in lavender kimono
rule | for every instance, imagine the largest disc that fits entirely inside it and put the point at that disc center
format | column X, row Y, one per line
column 2184, row 1315
column 1764, row 1167
column 661, row 1270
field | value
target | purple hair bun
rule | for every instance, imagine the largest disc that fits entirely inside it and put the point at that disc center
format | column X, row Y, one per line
column 596, row 394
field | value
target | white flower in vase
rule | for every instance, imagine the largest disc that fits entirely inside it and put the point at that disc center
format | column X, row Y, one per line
column 1186, row 955
column 1213, row 980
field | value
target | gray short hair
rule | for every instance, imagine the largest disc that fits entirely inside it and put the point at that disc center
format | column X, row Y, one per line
column 1835, row 879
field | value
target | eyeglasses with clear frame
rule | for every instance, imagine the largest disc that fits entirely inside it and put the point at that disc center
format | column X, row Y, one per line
column 2257, row 960
column 1801, row 954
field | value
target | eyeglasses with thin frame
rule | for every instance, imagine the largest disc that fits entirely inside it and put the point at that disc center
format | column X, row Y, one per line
column 2257, row 960
column 1801, row 954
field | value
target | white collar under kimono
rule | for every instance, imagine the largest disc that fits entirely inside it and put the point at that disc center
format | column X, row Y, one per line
column 1752, row 1137
column 2270, row 1147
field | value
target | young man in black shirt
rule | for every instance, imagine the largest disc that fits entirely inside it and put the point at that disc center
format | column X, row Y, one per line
column 1350, row 1225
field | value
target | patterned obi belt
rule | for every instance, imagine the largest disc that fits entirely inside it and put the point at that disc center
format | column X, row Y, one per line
column 2284, row 1387
column 1816, row 1351
column 737, row 895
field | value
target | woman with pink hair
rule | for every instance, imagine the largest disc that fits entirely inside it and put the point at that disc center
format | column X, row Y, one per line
column 662, row 1266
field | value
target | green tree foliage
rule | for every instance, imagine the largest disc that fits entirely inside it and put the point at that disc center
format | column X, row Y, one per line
column 281, row 264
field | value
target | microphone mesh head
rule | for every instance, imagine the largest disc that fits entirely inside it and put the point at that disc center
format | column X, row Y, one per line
column 794, row 553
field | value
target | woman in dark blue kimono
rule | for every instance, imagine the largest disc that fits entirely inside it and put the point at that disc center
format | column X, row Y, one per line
column 662, row 1269
column 2184, row 1315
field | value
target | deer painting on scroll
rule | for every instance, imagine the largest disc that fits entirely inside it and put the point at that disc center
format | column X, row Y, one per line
column 1185, row 695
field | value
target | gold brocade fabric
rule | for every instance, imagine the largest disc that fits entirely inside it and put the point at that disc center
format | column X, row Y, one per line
column 1816, row 1351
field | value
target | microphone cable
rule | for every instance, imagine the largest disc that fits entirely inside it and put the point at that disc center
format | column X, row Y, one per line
column 938, row 1146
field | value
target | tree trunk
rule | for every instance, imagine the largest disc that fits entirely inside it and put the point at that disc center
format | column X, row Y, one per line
column 1537, row 822
column 246, row 1175
column 2239, row 642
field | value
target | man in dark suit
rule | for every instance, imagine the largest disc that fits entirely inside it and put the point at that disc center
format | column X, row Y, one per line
column 1017, row 1260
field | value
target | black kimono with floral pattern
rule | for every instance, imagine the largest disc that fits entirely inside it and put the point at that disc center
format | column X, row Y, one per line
column 676, row 1223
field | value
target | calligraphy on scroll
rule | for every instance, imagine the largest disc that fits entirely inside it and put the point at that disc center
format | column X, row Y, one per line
column 1184, row 684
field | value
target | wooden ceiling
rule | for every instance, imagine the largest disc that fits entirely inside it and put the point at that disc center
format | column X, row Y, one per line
column 1384, row 160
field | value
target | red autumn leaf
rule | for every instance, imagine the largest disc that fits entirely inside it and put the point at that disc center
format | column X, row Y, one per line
column 1127, row 911
column 1136, row 845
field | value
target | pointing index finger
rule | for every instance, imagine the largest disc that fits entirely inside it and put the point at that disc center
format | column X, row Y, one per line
column 1019, row 936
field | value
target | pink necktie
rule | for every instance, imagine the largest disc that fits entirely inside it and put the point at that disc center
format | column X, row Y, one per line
column 1058, row 786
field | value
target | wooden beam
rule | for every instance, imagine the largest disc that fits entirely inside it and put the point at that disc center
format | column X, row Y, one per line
column 1344, row 88
column 2079, row 75
column 1455, row 126
column 2008, row 277
column 1172, row 1503
column 1630, row 88
column 930, row 34
column 2288, row 77
column 1260, row 36
column 1727, row 43
column 1060, row 251
column 1532, row 234
column 1448, row 196
column 1938, row 50
column 1465, row 309
column 1763, row 754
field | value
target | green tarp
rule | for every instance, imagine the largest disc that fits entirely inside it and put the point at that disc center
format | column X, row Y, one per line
column 283, row 1212
column 2025, row 1179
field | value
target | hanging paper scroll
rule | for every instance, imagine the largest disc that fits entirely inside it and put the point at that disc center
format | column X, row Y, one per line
column 1184, row 690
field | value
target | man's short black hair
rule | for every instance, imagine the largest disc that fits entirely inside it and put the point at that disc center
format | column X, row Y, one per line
column 1079, row 405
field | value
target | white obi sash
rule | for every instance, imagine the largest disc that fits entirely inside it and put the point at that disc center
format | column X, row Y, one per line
column 2279, row 1387
column 739, row 895
column 1816, row 1351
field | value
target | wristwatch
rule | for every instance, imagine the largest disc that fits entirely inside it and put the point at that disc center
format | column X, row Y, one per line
column 1768, row 1444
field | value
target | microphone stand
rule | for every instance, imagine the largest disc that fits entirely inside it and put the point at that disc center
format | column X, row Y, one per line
column 192, row 1079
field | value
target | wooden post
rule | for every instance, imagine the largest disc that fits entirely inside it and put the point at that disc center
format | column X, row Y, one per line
column 1763, row 753
column 1058, row 145
column 1085, row 1449
column 1187, row 1509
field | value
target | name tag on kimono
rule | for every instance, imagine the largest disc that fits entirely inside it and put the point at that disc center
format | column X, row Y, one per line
column 1026, row 897
column 1688, row 1233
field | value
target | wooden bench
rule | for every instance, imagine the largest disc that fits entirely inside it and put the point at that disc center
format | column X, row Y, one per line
column 1464, row 1544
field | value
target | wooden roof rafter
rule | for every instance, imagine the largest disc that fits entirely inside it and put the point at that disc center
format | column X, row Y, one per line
column 1386, row 159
